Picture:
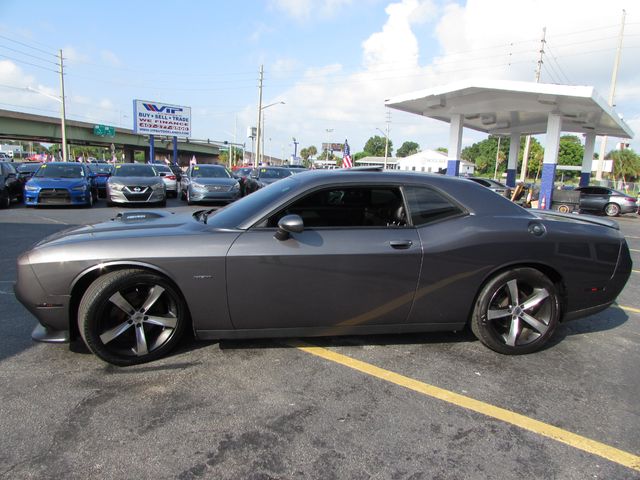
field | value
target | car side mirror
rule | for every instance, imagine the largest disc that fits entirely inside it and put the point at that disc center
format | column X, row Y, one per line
column 287, row 225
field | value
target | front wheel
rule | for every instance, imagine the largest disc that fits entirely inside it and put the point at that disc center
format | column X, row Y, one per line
column 516, row 312
column 612, row 209
column 131, row 316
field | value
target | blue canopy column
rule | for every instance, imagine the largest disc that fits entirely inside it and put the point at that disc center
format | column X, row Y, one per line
column 512, row 165
column 175, row 150
column 550, row 162
column 455, row 145
column 587, row 159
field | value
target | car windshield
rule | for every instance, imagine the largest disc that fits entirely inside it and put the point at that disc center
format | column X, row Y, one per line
column 273, row 173
column 57, row 170
column 100, row 168
column 28, row 167
column 134, row 170
column 245, row 208
column 209, row 172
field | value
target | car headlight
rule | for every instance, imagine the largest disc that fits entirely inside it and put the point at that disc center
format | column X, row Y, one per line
column 79, row 188
column 236, row 186
column 116, row 186
column 158, row 186
column 198, row 186
column 30, row 188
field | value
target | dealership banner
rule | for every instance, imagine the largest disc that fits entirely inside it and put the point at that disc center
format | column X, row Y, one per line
column 154, row 118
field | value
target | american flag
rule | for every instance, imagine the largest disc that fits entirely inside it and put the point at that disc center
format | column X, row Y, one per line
column 346, row 157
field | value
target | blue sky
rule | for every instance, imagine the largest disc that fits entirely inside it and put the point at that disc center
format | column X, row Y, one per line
column 333, row 62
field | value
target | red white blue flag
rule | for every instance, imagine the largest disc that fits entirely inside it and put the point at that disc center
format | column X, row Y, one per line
column 346, row 157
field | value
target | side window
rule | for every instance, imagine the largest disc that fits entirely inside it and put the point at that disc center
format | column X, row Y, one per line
column 427, row 205
column 348, row 207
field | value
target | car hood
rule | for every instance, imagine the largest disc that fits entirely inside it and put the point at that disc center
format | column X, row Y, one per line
column 214, row 181
column 268, row 181
column 147, row 181
column 56, row 182
column 124, row 225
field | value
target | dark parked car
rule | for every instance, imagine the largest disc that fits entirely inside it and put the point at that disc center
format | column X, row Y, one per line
column 606, row 200
column 10, row 186
column 26, row 170
column 61, row 183
column 209, row 183
column 493, row 185
column 267, row 175
column 329, row 252
column 101, row 173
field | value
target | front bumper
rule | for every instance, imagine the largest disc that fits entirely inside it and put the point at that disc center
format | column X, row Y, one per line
column 117, row 196
column 56, row 196
column 207, row 196
column 51, row 311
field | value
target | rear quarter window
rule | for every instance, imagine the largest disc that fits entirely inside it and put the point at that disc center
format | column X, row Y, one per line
column 427, row 205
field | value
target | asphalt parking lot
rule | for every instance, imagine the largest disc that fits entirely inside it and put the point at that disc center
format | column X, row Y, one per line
column 428, row 406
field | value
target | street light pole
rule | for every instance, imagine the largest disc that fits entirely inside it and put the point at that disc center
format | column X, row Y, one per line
column 261, row 117
column 62, row 111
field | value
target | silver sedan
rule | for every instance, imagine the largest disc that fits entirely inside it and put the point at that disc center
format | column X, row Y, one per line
column 134, row 183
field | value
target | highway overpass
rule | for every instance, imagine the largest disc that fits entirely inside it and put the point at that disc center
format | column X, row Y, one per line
column 26, row 127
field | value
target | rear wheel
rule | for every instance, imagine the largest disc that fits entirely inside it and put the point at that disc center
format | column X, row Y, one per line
column 516, row 312
column 612, row 209
column 131, row 316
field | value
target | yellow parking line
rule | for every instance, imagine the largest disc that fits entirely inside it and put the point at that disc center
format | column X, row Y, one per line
column 577, row 441
column 629, row 309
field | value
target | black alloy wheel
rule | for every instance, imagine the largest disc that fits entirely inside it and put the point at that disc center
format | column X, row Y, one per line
column 132, row 316
column 516, row 312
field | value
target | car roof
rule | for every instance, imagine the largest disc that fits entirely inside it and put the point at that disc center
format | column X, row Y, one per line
column 477, row 199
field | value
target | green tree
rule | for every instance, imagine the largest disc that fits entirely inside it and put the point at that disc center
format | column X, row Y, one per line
column 483, row 155
column 442, row 150
column 626, row 164
column 360, row 156
column 408, row 148
column 375, row 146
column 570, row 152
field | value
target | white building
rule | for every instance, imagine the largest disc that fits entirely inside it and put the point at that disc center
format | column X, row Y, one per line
column 432, row 161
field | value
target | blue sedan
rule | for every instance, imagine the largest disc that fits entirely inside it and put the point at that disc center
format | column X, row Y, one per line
column 61, row 183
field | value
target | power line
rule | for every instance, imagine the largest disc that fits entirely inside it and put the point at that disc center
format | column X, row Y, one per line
column 28, row 63
column 28, row 46
column 27, row 54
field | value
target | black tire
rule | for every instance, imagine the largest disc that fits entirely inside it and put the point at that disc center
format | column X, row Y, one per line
column 89, row 203
column 118, row 327
column 516, row 312
column 564, row 208
column 612, row 209
column 163, row 203
column 5, row 200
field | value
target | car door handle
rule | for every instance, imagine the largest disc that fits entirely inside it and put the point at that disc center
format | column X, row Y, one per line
column 400, row 244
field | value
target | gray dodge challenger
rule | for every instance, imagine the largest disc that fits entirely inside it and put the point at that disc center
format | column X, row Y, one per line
column 333, row 252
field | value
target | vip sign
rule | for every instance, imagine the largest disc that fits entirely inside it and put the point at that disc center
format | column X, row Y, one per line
column 154, row 118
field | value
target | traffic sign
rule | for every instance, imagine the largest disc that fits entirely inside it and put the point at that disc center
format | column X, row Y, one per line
column 104, row 131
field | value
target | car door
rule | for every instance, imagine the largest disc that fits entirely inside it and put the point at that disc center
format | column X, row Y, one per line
column 593, row 198
column 355, row 264
column 11, row 180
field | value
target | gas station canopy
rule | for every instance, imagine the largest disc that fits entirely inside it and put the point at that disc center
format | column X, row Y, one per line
column 501, row 107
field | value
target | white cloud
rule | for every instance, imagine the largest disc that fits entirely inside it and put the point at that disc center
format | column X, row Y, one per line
column 482, row 38
column 110, row 58
column 310, row 9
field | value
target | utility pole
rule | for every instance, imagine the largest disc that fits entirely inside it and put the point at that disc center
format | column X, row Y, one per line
column 62, row 111
column 527, row 143
column 386, row 143
column 258, row 132
column 612, row 92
